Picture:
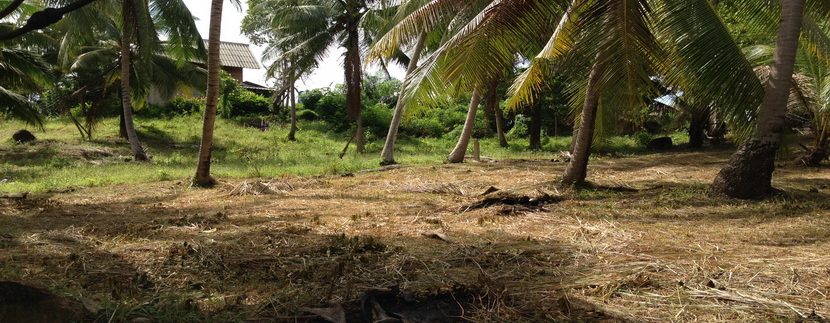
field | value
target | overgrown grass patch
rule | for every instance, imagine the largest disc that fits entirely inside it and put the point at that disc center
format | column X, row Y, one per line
column 59, row 159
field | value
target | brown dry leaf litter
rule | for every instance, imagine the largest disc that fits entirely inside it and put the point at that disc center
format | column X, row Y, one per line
column 661, row 251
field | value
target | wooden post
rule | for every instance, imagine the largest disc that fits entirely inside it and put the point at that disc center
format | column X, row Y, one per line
column 476, row 150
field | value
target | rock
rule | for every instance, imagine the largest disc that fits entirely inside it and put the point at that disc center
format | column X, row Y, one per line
column 21, row 303
column 23, row 136
column 662, row 143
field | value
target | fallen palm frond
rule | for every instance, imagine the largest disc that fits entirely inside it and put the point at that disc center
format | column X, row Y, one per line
column 257, row 187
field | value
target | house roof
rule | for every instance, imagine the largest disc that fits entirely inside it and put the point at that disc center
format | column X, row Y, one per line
column 254, row 86
column 236, row 55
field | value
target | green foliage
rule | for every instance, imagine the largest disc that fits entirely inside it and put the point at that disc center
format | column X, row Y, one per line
column 377, row 118
column 378, row 89
column 480, row 129
column 423, row 127
column 247, row 103
column 239, row 152
column 642, row 138
column 307, row 115
column 311, row 98
column 332, row 109
column 236, row 101
column 521, row 126
column 178, row 106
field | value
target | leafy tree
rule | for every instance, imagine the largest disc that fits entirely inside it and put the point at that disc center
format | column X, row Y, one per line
column 306, row 29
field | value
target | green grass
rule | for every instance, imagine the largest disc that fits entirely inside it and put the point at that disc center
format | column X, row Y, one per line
column 55, row 162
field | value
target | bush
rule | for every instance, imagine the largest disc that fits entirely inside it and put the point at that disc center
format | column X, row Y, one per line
column 422, row 127
column 332, row 109
column 311, row 98
column 642, row 138
column 307, row 115
column 377, row 118
column 180, row 106
column 246, row 103
column 521, row 126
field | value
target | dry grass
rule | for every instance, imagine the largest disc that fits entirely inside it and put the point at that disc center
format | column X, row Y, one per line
column 663, row 252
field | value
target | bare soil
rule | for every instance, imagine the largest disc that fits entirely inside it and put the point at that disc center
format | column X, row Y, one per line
column 646, row 244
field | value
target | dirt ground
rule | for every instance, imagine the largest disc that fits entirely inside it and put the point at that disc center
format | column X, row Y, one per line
column 649, row 246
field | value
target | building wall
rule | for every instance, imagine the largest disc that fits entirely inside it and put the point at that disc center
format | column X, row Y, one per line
column 155, row 98
column 235, row 72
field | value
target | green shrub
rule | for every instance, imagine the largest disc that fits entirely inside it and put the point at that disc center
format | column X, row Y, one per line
column 377, row 118
column 246, row 103
column 642, row 138
column 422, row 127
column 332, row 109
column 307, row 115
column 311, row 98
column 181, row 106
column 521, row 126
column 449, row 117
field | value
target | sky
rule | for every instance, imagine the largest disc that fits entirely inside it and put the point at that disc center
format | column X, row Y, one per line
column 329, row 73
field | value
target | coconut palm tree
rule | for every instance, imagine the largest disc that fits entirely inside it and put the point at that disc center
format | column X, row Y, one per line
column 387, row 155
column 454, row 20
column 748, row 173
column 683, row 41
column 309, row 28
column 96, row 75
column 203, row 178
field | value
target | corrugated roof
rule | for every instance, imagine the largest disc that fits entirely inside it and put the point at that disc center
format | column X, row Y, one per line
column 236, row 55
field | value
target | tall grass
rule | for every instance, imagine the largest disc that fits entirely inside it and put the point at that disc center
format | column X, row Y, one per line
column 56, row 162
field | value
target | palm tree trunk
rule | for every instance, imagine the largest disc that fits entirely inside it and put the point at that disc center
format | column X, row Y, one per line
column 126, row 90
column 203, row 178
column 122, row 126
column 457, row 154
column 535, row 131
column 387, row 156
column 577, row 168
column 491, row 106
column 293, row 131
column 697, row 127
column 500, row 126
column 748, row 174
column 354, row 77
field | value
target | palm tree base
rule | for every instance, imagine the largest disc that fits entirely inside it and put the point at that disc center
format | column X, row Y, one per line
column 388, row 162
column 141, row 157
column 748, row 175
column 204, row 182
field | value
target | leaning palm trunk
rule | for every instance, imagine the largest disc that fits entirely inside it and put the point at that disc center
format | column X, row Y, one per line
column 387, row 156
column 457, row 155
column 749, row 172
column 126, row 89
column 577, row 168
column 293, row 131
column 203, row 178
